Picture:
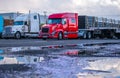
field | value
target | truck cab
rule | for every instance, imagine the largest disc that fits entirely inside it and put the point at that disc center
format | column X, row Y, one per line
column 60, row 25
column 24, row 25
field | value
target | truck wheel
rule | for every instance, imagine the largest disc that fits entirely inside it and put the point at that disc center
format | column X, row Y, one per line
column 118, row 37
column 2, row 37
column 113, row 36
column 84, row 36
column 17, row 35
column 89, row 35
column 60, row 36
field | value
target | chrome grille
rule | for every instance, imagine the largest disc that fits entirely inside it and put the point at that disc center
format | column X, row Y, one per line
column 8, row 29
column 45, row 30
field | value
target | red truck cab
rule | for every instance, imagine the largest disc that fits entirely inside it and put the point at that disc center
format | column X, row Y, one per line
column 60, row 25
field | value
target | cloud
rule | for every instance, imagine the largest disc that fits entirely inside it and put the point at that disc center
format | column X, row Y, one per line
column 84, row 7
column 108, row 8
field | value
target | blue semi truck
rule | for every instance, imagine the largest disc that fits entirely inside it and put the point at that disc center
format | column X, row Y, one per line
column 1, row 25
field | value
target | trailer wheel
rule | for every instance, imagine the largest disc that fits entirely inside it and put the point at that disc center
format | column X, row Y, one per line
column 84, row 36
column 17, row 35
column 89, row 35
column 60, row 36
column 118, row 37
column 113, row 36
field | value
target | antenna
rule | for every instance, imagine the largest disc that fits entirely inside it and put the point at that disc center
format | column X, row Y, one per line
column 29, row 22
column 45, row 16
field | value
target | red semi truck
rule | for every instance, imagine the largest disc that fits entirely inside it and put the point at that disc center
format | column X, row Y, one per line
column 70, row 25
column 61, row 25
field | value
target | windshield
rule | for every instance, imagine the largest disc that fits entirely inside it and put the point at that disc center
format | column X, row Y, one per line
column 18, row 23
column 54, row 21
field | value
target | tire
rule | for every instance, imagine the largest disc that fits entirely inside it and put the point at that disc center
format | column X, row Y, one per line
column 118, row 36
column 2, row 37
column 113, row 36
column 60, row 36
column 17, row 35
column 89, row 35
column 84, row 36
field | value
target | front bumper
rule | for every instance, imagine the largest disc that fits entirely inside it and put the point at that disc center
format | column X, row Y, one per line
column 8, row 34
column 44, row 35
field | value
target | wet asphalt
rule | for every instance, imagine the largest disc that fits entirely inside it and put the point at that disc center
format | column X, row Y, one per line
column 73, row 58
column 40, row 42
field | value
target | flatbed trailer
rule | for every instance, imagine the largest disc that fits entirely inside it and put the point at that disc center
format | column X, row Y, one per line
column 92, row 27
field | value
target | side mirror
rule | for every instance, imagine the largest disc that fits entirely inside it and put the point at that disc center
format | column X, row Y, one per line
column 64, row 21
column 26, row 23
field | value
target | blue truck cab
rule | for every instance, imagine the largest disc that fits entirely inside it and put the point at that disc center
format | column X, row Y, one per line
column 1, row 25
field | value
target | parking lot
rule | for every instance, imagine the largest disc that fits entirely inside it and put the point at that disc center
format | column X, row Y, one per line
column 52, row 58
column 40, row 42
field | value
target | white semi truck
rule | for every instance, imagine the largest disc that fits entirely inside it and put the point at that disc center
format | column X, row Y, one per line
column 25, row 25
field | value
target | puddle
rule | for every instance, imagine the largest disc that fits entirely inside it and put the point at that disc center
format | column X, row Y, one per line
column 62, row 66
column 102, row 67
column 21, row 60
column 59, row 62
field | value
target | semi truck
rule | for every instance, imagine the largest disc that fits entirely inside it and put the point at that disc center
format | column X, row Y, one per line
column 25, row 25
column 70, row 25
column 61, row 25
column 3, row 23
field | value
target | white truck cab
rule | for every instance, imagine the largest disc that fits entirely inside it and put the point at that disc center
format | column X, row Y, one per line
column 24, row 25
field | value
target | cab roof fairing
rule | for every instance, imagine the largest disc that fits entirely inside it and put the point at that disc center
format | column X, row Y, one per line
column 63, row 15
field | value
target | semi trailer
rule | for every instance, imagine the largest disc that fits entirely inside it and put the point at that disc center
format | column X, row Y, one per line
column 70, row 25
column 25, row 25
column 1, row 25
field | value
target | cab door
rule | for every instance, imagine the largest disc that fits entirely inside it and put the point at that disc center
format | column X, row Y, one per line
column 72, row 25
column 72, row 28
column 65, row 24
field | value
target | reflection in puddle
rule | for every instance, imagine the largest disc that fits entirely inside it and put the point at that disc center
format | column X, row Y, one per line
column 56, row 65
column 21, row 60
column 66, row 67
column 102, row 67
column 1, row 58
column 94, row 50
column 1, row 51
column 16, row 49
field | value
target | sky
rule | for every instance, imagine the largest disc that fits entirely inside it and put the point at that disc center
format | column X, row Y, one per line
column 108, row 8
